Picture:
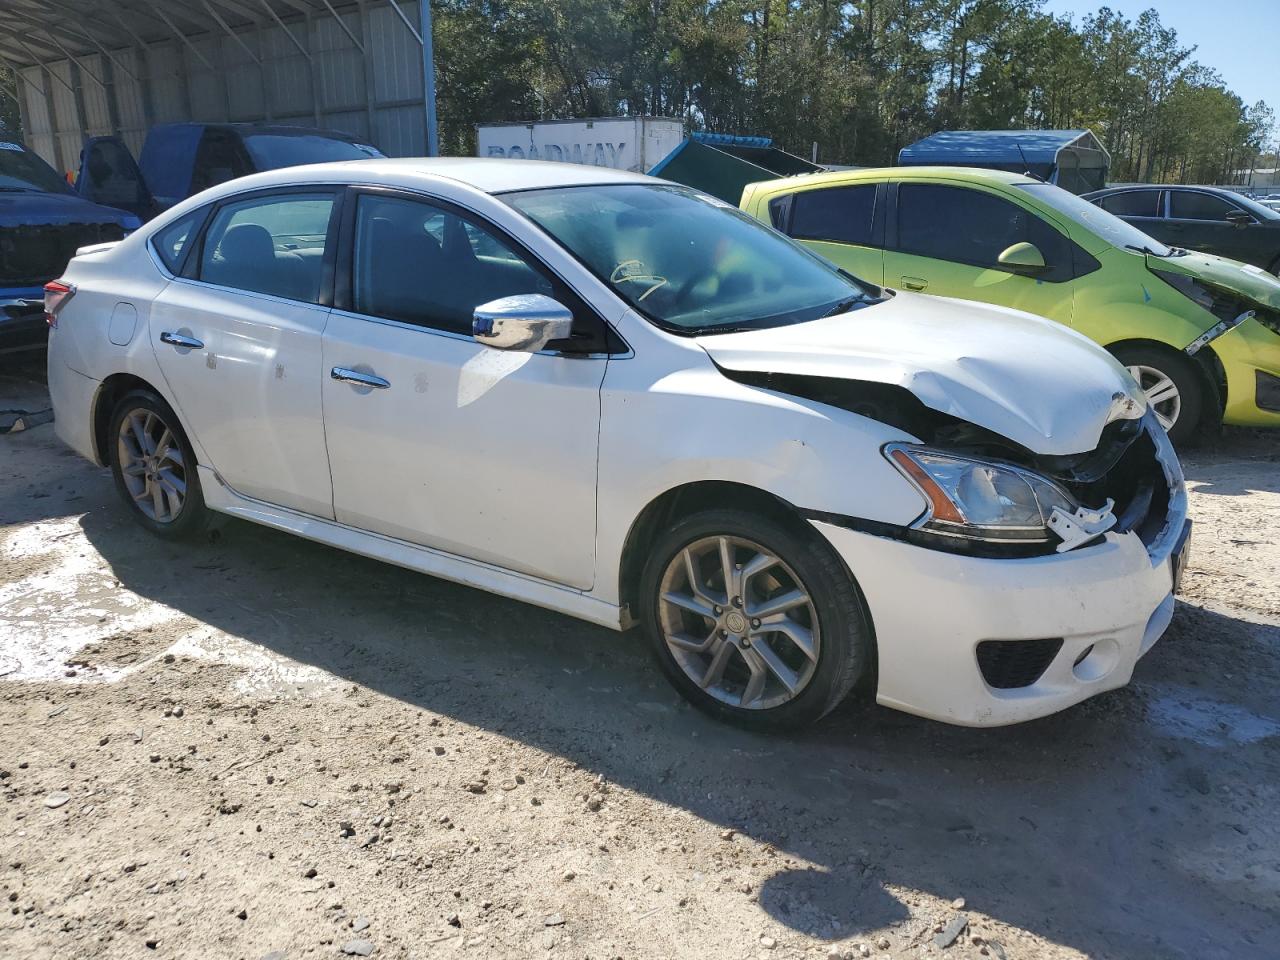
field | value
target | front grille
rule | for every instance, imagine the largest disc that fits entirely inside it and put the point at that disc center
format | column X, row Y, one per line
column 32, row 256
column 1008, row 664
column 1267, row 392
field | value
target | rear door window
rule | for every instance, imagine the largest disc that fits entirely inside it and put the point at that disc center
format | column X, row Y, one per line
column 273, row 244
column 837, row 214
column 1133, row 203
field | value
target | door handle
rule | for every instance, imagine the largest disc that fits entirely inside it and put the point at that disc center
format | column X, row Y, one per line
column 347, row 375
column 914, row 283
column 178, row 340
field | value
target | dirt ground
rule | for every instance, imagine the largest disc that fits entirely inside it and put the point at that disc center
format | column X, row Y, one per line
column 258, row 747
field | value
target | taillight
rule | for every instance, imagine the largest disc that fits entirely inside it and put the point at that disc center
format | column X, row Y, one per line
column 56, row 295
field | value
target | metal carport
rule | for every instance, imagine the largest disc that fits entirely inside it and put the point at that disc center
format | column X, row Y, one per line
column 100, row 67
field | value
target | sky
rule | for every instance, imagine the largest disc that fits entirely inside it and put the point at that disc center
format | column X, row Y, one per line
column 1235, row 37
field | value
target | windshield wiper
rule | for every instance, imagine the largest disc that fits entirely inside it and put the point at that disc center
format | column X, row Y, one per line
column 1144, row 249
column 844, row 306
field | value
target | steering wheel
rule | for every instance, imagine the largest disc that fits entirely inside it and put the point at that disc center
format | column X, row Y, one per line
column 620, row 275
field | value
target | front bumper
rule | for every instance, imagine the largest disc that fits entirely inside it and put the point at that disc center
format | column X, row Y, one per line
column 1250, row 358
column 931, row 610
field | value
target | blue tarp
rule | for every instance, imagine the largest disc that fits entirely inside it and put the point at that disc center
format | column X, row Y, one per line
column 992, row 146
column 1073, row 159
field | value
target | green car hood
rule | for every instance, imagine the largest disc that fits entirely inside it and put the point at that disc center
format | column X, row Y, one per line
column 1250, row 282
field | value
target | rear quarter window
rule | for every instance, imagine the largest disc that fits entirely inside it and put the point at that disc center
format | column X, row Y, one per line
column 172, row 242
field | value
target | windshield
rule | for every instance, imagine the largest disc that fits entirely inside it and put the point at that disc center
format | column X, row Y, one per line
column 1096, row 220
column 690, row 263
column 1261, row 211
column 20, row 169
column 271, row 151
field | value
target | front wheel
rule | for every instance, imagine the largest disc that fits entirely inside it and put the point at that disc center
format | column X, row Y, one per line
column 1173, row 387
column 754, row 622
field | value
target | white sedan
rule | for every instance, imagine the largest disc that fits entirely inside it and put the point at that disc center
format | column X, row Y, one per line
column 623, row 400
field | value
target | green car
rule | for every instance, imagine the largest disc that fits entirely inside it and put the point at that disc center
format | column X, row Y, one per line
column 1200, row 333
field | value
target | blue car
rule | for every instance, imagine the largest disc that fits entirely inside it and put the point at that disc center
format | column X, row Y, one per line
column 43, row 220
column 42, row 224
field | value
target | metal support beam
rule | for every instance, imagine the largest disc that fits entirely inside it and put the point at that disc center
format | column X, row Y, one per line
column 231, row 33
column 343, row 25
column 315, row 72
column 183, row 38
column 287, row 32
column 429, row 77
column 406, row 21
column 369, row 81
column 37, row 61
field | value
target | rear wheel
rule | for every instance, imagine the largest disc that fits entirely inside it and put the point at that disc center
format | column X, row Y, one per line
column 155, row 468
column 754, row 622
column 1173, row 386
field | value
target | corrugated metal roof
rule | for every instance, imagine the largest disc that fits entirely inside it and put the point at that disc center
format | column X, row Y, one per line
column 87, row 67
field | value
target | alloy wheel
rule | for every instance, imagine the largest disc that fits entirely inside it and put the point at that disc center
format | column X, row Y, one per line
column 1162, row 393
column 739, row 622
column 152, row 465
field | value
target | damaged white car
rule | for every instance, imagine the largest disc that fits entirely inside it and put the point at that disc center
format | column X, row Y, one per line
column 623, row 400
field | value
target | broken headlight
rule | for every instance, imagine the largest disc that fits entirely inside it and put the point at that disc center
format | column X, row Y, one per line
column 980, row 499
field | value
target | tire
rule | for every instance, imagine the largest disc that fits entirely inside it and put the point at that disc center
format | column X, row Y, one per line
column 842, row 646
column 179, row 511
column 1152, row 367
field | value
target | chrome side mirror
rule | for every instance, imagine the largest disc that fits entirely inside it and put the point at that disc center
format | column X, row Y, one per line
column 526, row 321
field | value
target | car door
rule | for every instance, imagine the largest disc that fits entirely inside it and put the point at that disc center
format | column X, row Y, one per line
column 434, row 438
column 1198, row 221
column 838, row 223
column 237, row 337
column 1142, row 208
column 110, row 176
column 945, row 238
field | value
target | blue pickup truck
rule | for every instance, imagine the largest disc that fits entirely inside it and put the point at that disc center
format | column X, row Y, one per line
column 43, row 220
column 42, row 223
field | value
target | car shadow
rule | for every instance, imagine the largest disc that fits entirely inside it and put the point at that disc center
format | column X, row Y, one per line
column 1079, row 827
column 1235, row 463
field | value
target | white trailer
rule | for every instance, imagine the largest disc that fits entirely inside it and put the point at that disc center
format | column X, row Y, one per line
column 624, row 143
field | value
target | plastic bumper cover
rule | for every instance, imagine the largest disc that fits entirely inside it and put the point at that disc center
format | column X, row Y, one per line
column 73, row 398
column 1108, row 604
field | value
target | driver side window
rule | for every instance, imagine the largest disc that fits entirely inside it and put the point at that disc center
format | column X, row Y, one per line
column 973, row 227
column 420, row 264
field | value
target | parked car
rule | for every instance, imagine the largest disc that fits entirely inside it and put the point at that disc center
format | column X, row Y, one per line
column 624, row 400
column 1200, row 334
column 1208, row 219
column 42, row 223
column 181, row 159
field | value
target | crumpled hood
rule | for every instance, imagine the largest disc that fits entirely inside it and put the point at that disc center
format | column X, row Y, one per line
column 1026, row 378
column 1244, row 279
column 37, row 208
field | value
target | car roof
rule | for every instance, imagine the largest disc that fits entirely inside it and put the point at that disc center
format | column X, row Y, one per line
column 276, row 129
column 833, row 177
column 1130, row 187
column 489, row 175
